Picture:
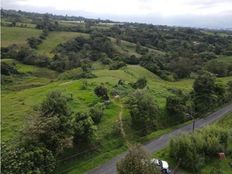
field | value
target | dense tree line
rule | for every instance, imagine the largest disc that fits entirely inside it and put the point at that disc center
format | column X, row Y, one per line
column 33, row 42
column 207, row 94
column 181, row 41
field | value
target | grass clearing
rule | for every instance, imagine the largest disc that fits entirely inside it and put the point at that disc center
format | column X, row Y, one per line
column 129, row 49
column 17, row 35
column 54, row 39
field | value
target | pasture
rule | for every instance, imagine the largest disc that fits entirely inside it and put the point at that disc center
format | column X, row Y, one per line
column 17, row 35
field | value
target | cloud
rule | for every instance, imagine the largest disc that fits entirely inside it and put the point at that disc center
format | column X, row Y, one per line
column 130, row 9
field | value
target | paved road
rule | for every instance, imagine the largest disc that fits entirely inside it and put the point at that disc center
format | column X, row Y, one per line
column 157, row 144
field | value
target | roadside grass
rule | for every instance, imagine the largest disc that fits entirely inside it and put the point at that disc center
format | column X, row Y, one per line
column 54, row 39
column 17, row 35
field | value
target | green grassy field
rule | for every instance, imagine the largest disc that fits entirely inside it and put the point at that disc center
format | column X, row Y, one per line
column 55, row 38
column 129, row 49
column 17, row 35
column 158, row 88
column 33, row 95
column 225, row 59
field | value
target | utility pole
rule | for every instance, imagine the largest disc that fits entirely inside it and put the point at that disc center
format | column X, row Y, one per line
column 193, row 123
column 194, row 120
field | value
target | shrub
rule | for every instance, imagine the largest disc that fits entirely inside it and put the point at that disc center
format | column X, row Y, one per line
column 140, row 83
column 55, row 104
column 192, row 149
column 178, row 106
column 137, row 161
column 84, row 129
column 102, row 92
column 116, row 65
column 23, row 160
column 183, row 150
column 7, row 69
column 97, row 112
column 54, row 133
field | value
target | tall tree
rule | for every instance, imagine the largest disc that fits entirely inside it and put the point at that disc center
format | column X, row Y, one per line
column 204, row 92
column 143, row 111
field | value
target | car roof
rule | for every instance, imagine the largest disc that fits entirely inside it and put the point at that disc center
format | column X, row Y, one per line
column 165, row 164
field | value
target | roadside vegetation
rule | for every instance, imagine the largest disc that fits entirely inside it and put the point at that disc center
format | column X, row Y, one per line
column 202, row 149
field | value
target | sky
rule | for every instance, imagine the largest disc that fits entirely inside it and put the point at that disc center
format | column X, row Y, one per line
column 192, row 13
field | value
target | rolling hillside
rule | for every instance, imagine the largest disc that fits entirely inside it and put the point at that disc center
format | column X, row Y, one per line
column 17, row 35
column 23, row 92
column 55, row 38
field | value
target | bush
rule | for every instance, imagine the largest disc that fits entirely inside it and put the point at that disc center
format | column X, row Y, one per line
column 23, row 160
column 97, row 112
column 84, row 129
column 183, row 150
column 132, row 60
column 102, row 92
column 177, row 107
column 55, row 104
column 106, row 60
column 137, row 161
column 140, row 83
column 116, row 65
column 193, row 149
column 7, row 69
column 54, row 133
column 34, row 42
column 76, row 74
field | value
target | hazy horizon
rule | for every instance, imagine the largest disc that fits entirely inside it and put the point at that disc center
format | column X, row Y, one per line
column 187, row 13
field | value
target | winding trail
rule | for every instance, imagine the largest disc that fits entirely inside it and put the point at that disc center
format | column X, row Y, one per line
column 157, row 144
column 121, row 125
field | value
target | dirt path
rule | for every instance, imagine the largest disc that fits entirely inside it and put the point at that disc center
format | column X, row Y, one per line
column 121, row 125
